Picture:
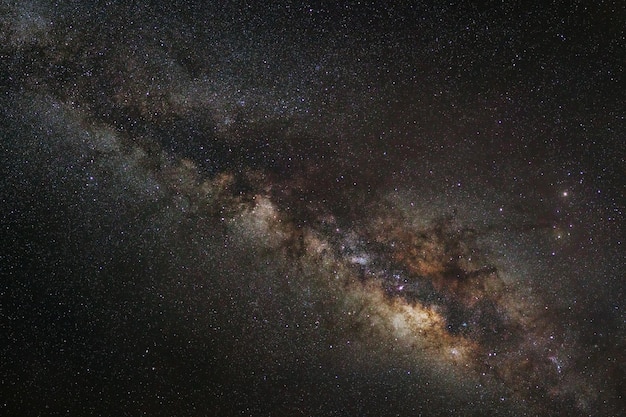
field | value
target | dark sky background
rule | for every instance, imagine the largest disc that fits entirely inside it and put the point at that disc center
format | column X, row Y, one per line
column 312, row 209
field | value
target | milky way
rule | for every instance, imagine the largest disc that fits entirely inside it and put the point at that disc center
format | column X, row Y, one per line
column 307, row 210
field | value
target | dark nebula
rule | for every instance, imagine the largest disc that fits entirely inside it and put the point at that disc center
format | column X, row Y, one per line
column 309, row 209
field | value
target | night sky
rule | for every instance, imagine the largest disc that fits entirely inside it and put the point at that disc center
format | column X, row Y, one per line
column 246, row 208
